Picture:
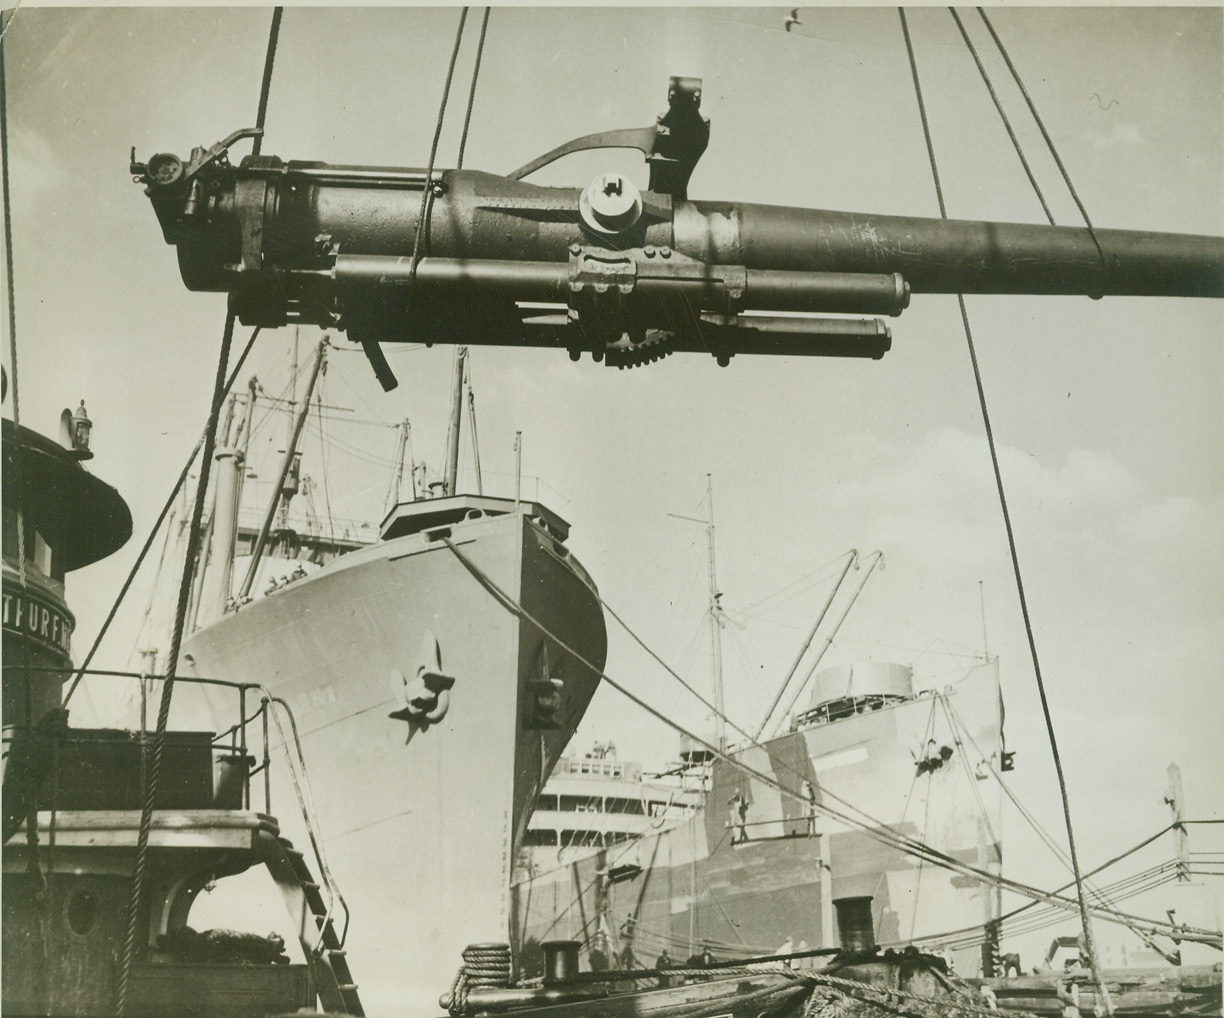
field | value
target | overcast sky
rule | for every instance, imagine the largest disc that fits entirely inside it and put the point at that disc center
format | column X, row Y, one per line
column 1107, row 414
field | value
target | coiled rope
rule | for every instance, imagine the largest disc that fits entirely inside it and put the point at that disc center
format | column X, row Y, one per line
column 483, row 965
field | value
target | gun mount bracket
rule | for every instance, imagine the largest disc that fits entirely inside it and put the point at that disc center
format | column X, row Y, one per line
column 672, row 146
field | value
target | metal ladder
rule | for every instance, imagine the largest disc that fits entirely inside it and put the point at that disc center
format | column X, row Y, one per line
column 316, row 930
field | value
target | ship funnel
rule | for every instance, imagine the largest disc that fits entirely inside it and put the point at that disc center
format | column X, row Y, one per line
column 881, row 681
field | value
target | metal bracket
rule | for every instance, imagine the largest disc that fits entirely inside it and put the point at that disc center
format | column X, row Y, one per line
column 672, row 146
column 165, row 170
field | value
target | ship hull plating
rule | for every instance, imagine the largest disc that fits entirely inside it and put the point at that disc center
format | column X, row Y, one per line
column 420, row 822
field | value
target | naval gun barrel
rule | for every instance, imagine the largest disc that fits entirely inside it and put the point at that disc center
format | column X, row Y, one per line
column 630, row 274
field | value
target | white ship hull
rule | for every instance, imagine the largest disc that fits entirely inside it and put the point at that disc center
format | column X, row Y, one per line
column 421, row 824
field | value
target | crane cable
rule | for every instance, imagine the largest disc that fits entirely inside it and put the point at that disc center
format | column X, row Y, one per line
column 958, row 726
column 153, row 531
column 467, row 119
column 185, row 585
column 1085, row 920
column 856, row 818
column 427, row 190
column 1046, row 135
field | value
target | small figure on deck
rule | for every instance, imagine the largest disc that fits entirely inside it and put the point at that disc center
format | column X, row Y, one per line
column 989, row 999
column 809, row 793
column 704, row 960
column 786, row 947
column 739, row 818
column 662, row 964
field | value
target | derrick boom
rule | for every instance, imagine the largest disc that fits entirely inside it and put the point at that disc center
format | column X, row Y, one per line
column 628, row 276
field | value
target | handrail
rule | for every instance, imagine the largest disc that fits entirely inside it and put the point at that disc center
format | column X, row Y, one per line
column 237, row 732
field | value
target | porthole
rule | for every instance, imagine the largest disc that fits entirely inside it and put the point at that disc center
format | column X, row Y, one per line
column 81, row 912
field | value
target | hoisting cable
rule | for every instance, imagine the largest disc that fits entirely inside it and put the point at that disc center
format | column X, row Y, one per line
column 12, row 304
column 178, row 486
column 167, row 691
column 1046, row 135
column 1002, row 116
column 33, row 865
column 958, row 727
column 870, row 826
column 1089, row 940
column 467, row 119
column 378, row 360
column 265, row 86
column 1008, row 916
column 220, row 389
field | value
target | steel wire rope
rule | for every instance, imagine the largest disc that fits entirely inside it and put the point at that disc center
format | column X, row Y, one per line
column 877, row 558
column 1041, row 919
column 220, row 388
column 750, row 612
column 153, row 591
column 31, row 822
column 1034, row 924
column 165, row 511
column 327, row 501
column 573, row 902
column 265, row 85
column 163, row 713
column 355, row 452
column 1101, row 894
column 1002, row 115
column 927, row 733
column 873, row 828
column 427, row 189
column 964, row 759
column 926, row 819
column 1046, row 135
column 1105, row 865
column 467, row 119
column 331, row 526
column 958, row 725
column 12, row 300
column 1089, row 939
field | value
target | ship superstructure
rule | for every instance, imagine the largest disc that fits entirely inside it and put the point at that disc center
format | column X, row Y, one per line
column 758, row 867
column 595, row 800
column 101, row 865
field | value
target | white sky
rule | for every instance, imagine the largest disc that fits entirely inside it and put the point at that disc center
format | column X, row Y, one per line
column 1108, row 414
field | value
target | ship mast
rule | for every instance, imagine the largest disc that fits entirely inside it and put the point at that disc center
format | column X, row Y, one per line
column 716, row 624
column 716, row 618
column 279, row 490
column 456, row 413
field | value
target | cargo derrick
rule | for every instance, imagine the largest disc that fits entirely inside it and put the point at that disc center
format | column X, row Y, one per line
column 630, row 276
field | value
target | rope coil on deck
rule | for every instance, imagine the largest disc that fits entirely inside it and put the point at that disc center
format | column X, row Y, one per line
column 483, row 965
